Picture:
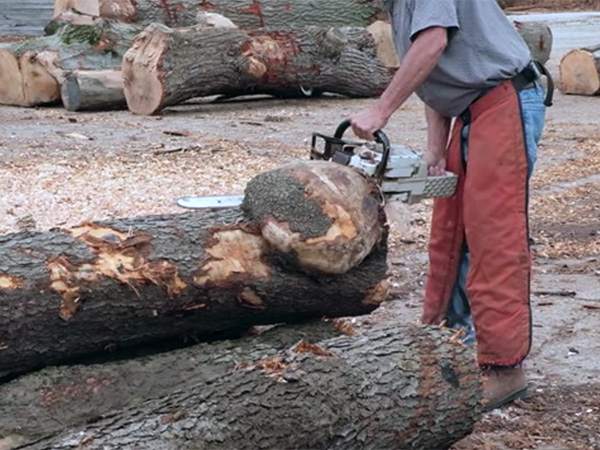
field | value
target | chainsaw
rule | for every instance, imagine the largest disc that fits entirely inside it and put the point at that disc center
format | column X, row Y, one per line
column 400, row 172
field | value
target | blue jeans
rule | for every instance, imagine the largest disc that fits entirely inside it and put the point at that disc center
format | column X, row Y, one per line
column 534, row 115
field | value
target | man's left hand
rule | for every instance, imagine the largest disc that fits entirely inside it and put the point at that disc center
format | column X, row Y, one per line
column 367, row 122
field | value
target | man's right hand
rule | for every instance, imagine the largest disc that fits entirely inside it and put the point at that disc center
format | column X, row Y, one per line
column 436, row 164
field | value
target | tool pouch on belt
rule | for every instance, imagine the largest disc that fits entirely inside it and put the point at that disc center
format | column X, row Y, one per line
column 489, row 208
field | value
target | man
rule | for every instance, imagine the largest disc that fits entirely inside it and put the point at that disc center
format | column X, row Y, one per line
column 466, row 61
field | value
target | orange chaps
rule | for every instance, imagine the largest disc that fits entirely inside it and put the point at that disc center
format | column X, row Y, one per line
column 489, row 209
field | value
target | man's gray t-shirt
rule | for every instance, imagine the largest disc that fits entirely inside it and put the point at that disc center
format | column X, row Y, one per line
column 483, row 49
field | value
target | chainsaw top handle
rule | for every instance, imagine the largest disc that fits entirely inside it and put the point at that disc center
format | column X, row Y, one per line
column 380, row 137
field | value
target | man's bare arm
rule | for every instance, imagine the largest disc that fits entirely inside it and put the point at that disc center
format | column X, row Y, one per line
column 420, row 60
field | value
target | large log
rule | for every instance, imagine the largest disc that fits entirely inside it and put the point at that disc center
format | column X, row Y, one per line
column 538, row 37
column 31, row 72
column 167, row 66
column 46, row 402
column 249, row 14
column 93, row 90
column 311, row 243
column 580, row 72
column 396, row 387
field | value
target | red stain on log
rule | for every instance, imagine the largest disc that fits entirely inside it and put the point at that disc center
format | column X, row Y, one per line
column 287, row 8
column 165, row 6
column 207, row 6
column 256, row 9
column 88, row 388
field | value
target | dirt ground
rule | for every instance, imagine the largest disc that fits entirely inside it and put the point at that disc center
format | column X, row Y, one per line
column 59, row 168
column 550, row 5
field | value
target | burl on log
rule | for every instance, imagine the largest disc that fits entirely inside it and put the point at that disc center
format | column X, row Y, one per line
column 309, row 241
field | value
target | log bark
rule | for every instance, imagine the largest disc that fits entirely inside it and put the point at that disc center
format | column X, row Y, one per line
column 31, row 72
column 539, row 39
column 167, row 66
column 57, row 398
column 71, row 292
column 395, row 387
column 247, row 14
column 580, row 72
column 98, row 90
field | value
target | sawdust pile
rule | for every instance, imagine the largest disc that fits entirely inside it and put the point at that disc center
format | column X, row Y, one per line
column 42, row 192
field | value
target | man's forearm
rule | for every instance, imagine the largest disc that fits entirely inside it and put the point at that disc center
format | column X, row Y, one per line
column 420, row 60
column 438, row 129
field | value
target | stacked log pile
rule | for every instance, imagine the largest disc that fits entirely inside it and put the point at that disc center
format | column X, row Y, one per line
column 92, row 317
column 153, row 54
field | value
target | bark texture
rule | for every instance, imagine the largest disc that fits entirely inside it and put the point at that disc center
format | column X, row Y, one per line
column 580, row 72
column 56, row 398
column 539, row 39
column 249, row 14
column 399, row 387
column 96, row 90
column 31, row 72
column 168, row 66
column 69, row 292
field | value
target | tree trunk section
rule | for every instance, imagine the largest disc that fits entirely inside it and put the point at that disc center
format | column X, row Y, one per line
column 249, row 14
column 538, row 37
column 580, row 72
column 31, row 72
column 71, row 292
column 57, row 398
column 397, row 387
column 99, row 90
column 165, row 67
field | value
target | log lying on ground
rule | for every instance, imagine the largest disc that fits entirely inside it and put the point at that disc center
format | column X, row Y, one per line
column 168, row 66
column 96, row 90
column 580, row 72
column 249, row 14
column 539, row 39
column 311, row 243
column 400, row 387
column 56, row 398
column 31, row 72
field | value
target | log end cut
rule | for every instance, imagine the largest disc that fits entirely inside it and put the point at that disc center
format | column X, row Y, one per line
column 325, row 216
column 143, row 70
column 580, row 72
column 11, row 80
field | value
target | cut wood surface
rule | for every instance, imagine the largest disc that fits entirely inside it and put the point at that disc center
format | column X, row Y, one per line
column 381, row 31
column 395, row 387
column 319, row 250
column 93, row 91
column 539, row 39
column 167, row 66
column 248, row 14
column 31, row 72
column 580, row 72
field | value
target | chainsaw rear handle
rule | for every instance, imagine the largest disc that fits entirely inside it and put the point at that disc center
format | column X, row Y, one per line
column 380, row 137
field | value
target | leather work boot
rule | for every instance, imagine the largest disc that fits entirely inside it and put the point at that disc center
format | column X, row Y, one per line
column 502, row 386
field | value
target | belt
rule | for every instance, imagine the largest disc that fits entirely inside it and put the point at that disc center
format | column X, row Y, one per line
column 523, row 80
column 531, row 73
